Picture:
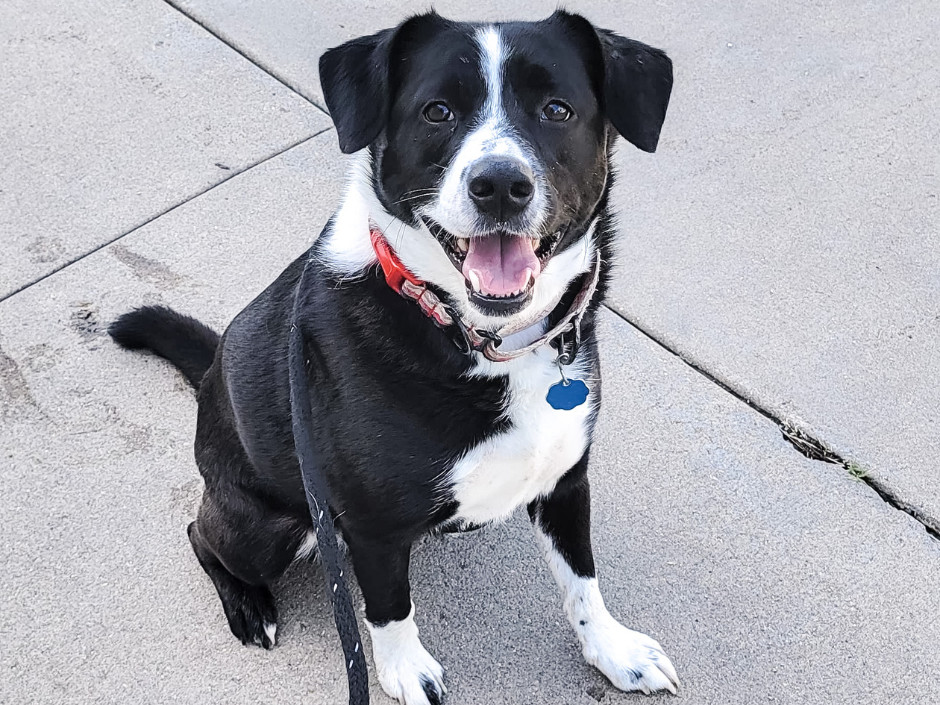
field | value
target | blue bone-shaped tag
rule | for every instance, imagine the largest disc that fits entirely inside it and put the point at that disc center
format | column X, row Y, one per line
column 567, row 394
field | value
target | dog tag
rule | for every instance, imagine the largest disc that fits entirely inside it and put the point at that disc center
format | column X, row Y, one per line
column 567, row 394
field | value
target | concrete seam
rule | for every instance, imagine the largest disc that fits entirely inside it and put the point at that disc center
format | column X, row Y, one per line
column 162, row 213
column 245, row 54
column 803, row 442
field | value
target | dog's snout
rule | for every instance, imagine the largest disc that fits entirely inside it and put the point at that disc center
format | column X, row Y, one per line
column 500, row 187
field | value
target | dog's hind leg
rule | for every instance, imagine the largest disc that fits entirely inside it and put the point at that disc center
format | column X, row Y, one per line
column 243, row 554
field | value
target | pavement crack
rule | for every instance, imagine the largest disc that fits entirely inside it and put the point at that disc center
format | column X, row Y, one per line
column 800, row 439
column 246, row 54
column 228, row 175
column 809, row 446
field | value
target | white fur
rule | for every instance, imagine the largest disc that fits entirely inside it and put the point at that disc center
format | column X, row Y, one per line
column 307, row 546
column 493, row 136
column 402, row 662
column 270, row 628
column 347, row 251
column 631, row 660
column 512, row 468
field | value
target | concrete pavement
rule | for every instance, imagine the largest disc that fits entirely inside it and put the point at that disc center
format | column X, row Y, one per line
column 112, row 113
column 768, row 577
column 785, row 235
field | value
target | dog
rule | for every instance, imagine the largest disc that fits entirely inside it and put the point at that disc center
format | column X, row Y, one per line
column 450, row 296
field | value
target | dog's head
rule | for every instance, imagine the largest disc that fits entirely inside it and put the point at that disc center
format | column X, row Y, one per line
column 488, row 146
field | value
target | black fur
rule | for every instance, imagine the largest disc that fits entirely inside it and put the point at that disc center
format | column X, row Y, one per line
column 565, row 515
column 184, row 341
column 393, row 404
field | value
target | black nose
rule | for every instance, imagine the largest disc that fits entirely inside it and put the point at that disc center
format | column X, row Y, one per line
column 501, row 187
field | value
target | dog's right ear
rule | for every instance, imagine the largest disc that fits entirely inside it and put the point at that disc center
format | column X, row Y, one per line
column 354, row 77
column 357, row 81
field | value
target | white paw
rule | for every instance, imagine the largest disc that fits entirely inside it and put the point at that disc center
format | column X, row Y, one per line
column 270, row 630
column 413, row 678
column 631, row 660
column 407, row 672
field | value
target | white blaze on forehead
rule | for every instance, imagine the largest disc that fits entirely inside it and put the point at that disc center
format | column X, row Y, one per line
column 346, row 247
column 492, row 54
column 492, row 134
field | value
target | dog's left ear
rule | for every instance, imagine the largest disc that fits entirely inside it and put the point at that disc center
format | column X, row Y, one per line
column 636, row 85
column 354, row 77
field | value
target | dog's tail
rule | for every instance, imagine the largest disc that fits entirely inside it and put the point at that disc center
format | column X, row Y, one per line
column 184, row 341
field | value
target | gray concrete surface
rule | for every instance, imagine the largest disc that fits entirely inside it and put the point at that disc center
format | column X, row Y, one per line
column 769, row 578
column 787, row 244
column 287, row 37
column 785, row 237
column 110, row 113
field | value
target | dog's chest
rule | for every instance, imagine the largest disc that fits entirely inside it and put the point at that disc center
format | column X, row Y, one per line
column 514, row 467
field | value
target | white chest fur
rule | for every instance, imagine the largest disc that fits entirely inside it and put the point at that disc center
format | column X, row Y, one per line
column 511, row 469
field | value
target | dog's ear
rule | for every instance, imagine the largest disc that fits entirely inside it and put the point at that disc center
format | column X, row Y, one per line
column 358, row 78
column 636, row 84
column 354, row 77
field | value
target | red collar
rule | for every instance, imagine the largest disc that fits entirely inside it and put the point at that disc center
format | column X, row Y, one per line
column 469, row 338
column 407, row 284
column 395, row 272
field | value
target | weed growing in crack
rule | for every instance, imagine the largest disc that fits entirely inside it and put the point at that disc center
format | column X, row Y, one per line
column 856, row 470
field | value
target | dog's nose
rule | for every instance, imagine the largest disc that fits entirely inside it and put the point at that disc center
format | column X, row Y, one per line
column 501, row 187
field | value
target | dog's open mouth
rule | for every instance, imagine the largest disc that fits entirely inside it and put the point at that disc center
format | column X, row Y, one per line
column 500, row 269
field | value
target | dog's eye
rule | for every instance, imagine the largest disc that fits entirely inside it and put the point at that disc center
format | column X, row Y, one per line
column 556, row 111
column 438, row 112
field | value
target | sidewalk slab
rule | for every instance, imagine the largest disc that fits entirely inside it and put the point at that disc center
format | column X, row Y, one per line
column 784, row 236
column 786, row 239
column 287, row 37
column 767, row 577
column 112, row 113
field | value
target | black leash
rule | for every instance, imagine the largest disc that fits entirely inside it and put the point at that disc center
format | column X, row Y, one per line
column 315, row 487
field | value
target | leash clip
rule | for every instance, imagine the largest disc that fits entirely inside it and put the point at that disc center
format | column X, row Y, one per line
column 568, row 349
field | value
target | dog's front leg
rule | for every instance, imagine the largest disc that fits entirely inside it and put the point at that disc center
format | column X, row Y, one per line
column 406, row 670
column 562, row 521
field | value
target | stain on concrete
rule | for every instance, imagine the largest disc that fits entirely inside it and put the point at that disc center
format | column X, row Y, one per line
column 84, row 320
column 14, row 389
column 147, row 269
column 44, row 250
column 134, row 436
column 40, row 357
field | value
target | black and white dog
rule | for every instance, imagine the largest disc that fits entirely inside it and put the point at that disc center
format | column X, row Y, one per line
column 452, row 294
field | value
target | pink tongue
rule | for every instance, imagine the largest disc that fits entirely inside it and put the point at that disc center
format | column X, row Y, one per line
column 501, row 264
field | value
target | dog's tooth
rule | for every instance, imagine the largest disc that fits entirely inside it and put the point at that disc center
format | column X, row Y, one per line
column 474, row 280
column 463, row 244
column 534, row 241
